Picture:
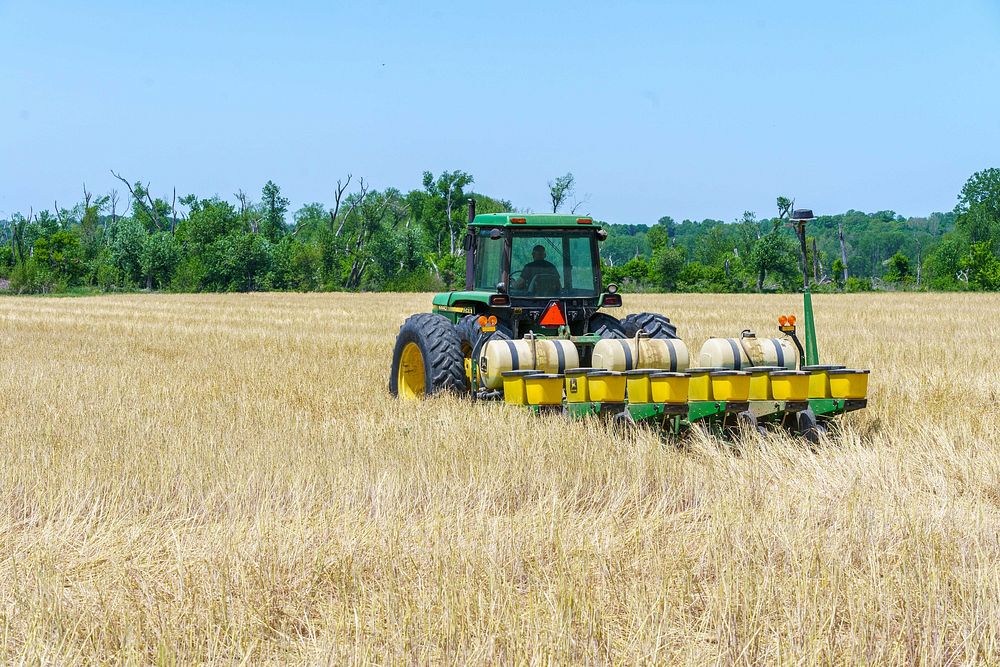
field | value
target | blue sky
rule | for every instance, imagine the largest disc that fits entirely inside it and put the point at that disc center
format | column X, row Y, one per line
column 693, row 109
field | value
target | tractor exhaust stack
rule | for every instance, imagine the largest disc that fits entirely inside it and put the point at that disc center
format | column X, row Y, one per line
column 472, row 210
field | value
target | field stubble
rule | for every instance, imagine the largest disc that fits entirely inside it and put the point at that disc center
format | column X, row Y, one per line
column 225, row 478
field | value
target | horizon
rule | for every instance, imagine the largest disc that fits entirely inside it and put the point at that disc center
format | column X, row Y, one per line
column 692, row 112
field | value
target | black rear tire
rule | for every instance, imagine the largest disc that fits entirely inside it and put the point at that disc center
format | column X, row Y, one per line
column 654, row 324
column 606, row 326
column 440, row 354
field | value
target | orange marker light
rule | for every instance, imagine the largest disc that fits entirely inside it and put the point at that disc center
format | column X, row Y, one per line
column 492, row 320
column 791, row 320
column 482, row 320
column 782, row 321
column 518, row 221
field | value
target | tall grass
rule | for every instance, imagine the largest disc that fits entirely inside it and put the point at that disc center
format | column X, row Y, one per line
column 192, row 479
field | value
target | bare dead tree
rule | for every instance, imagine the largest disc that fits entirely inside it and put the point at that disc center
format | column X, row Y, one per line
column 815, row 261
column 578, row 203
column 17, row 237
column 113, row 199
column 247, row 213
column 55, row 205
column 371, row 217
column 337, row 196
column 843, row 247
column 149, row 210
column 241, row 197
column 354, row 203
column 86, row 198
column 459, row 176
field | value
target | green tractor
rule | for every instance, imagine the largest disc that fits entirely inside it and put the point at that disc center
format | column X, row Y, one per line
column 524, row 275
column 529, row 326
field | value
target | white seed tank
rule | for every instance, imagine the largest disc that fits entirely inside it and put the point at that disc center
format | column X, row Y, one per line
column 748, row 350
column 546, row 355
column 626, row 354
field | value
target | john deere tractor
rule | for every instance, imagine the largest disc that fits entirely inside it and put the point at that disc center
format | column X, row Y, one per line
column 525, row 275
column 529, row 329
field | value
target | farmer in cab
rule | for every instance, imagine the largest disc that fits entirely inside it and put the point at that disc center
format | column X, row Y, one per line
column 537, row 272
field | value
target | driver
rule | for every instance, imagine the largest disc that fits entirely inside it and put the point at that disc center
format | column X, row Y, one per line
column 539, row 266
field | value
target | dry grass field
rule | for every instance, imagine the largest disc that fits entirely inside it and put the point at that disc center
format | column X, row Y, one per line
column 225, row 479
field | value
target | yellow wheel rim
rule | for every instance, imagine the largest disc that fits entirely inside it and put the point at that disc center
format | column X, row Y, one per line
column 467, row 353
column 410, row 377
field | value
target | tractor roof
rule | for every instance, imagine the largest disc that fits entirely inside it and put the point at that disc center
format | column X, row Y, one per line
column 530, row 220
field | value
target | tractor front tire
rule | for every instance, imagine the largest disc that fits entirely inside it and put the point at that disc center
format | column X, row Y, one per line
column 654, row 324
column 427, row 358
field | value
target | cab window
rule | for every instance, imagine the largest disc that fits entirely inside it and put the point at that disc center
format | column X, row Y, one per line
column 489, row 261
column 553, row 264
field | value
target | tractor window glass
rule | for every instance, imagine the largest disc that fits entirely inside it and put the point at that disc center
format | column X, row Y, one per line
column 582, row 277
column 552, row 264
column 489, row 261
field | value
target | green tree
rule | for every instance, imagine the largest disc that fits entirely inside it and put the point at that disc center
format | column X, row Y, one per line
column 944, row 263
column 128, row 237
column 668, row 225
column 897, row 268
column 978, row 207
column 449, row 190
column 716, row 245
column 309, row 220
column 773, row 253
column 237, row 262
column 666, row 267
column 982, row 267
column 273, row 210
column 158, row 259
column 6, row 260
column 748, row 231
column 60, row 254
column 91, row 232
column 697, row 277
column 635, row 273
column 208, row 220
column 561, row 190
column 838, row 273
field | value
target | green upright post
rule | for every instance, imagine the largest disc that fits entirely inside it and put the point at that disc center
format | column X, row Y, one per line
column 800, row 216
column 812, row 352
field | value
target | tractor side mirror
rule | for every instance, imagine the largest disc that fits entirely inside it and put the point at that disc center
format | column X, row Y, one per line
column 501, row 288
column 602, row 235
column 495, row 234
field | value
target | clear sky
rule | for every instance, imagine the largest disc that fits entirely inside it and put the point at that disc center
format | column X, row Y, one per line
column 689, row 109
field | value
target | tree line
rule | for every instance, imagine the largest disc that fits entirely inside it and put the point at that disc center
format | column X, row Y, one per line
column 370, row 239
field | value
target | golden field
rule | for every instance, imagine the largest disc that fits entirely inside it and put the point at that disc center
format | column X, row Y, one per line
column 225, row 479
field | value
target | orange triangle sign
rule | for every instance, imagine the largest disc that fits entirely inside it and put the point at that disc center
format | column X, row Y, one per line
column 552, row 317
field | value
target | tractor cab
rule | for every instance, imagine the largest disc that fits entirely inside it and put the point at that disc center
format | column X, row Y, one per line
column 535, row 263
column 532, row 272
